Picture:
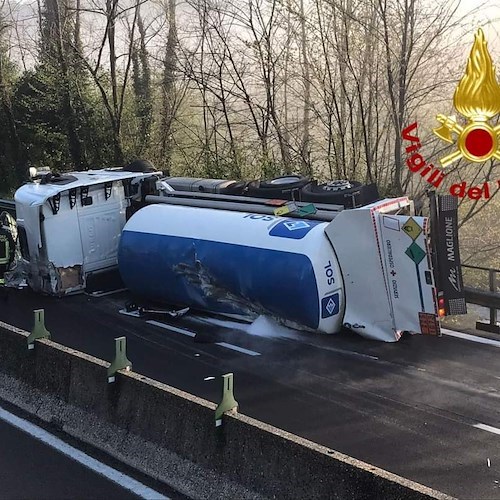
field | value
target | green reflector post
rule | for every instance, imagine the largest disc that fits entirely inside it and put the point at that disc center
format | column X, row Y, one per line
column 120, row 362
column 228, row 402
column 39, row 331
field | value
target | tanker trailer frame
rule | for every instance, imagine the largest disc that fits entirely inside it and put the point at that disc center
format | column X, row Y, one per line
column 367, row 269
column 71, row 225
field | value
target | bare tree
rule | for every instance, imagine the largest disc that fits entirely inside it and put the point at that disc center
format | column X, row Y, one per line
column 57, row 35
column 170, row 98
column 16, row 148
column 141, row 79
column 112, row 83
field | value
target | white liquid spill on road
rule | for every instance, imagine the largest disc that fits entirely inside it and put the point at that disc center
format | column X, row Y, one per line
column 115, row 476
column 264, row 326
column 267, row 327
column 189, row 333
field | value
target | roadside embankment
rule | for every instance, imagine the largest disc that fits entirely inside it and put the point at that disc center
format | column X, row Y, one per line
column 171, row 435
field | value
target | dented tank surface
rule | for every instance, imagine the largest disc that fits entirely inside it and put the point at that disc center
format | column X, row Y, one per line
column 232, row 262
column 198, row 276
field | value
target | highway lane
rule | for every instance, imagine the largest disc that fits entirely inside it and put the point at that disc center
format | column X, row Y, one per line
column 35, row 463
column 412, row 407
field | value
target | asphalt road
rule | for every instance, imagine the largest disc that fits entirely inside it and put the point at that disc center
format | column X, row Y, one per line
column 30, row 469
column 411, row 407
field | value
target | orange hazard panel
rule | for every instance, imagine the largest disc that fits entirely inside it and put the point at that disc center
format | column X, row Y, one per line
column 429, row 324
column 275, row 203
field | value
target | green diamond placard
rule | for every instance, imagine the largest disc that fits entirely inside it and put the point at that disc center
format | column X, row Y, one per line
column 412, row 229
column 306, row 210
column 415, row 253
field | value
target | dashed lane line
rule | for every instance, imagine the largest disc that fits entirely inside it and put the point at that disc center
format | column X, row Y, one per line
column 171, row 327
column 238, row 348
column 489, row 428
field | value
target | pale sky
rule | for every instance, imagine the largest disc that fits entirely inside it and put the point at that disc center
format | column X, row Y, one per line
column 487, row 18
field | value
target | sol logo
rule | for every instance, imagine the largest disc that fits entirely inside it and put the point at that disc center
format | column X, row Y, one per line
column 477, row 98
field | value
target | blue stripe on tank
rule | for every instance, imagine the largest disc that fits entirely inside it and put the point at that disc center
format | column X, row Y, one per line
column 219, row 277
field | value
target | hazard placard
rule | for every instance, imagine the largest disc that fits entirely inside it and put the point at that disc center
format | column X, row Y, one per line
column 429, row 324
column 412, row 229
column 415, row 253
column 286, row 209
column 275, row 203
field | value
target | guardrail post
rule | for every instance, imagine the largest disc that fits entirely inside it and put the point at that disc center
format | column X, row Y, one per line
column 493, row 288
column 228, row 402
column 492, row 326
column 39, row 331
column 120, row 361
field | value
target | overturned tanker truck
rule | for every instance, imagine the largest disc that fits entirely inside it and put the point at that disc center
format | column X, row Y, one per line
column 320, row 257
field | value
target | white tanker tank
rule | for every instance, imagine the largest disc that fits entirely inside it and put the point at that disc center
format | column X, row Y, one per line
column 368, row 270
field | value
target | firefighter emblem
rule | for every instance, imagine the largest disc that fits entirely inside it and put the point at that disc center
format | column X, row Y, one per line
column 477, row 98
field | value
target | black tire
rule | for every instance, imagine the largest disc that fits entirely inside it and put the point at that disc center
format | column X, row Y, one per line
column 286, row 187
column 131, row 306
column 285, row 182
column 369, row 194
column 236, row 188
column 140, row 166
column 345, row 193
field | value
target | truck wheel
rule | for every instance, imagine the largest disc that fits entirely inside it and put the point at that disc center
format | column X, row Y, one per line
column 140, row 166
column 236, row 189
column 286, row 187
column 338, row 192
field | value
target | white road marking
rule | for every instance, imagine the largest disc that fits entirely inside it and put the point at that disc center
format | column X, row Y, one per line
column 238, row 348
column 192, row 334
column 100, row 293
column 471, row 338
column 172, row 328
column 134, row 314
column 226, row 323
column 489, row 428
column 79, row 456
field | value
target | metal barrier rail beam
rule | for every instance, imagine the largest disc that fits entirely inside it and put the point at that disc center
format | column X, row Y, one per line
column 482, row 297
column 489, row 269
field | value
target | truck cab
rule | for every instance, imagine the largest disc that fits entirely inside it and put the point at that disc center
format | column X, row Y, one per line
column 70, row 224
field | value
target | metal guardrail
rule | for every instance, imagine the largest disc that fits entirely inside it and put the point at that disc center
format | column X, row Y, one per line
column 486, row 298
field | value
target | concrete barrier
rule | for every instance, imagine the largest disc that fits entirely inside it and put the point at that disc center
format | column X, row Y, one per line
column 264, row 460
